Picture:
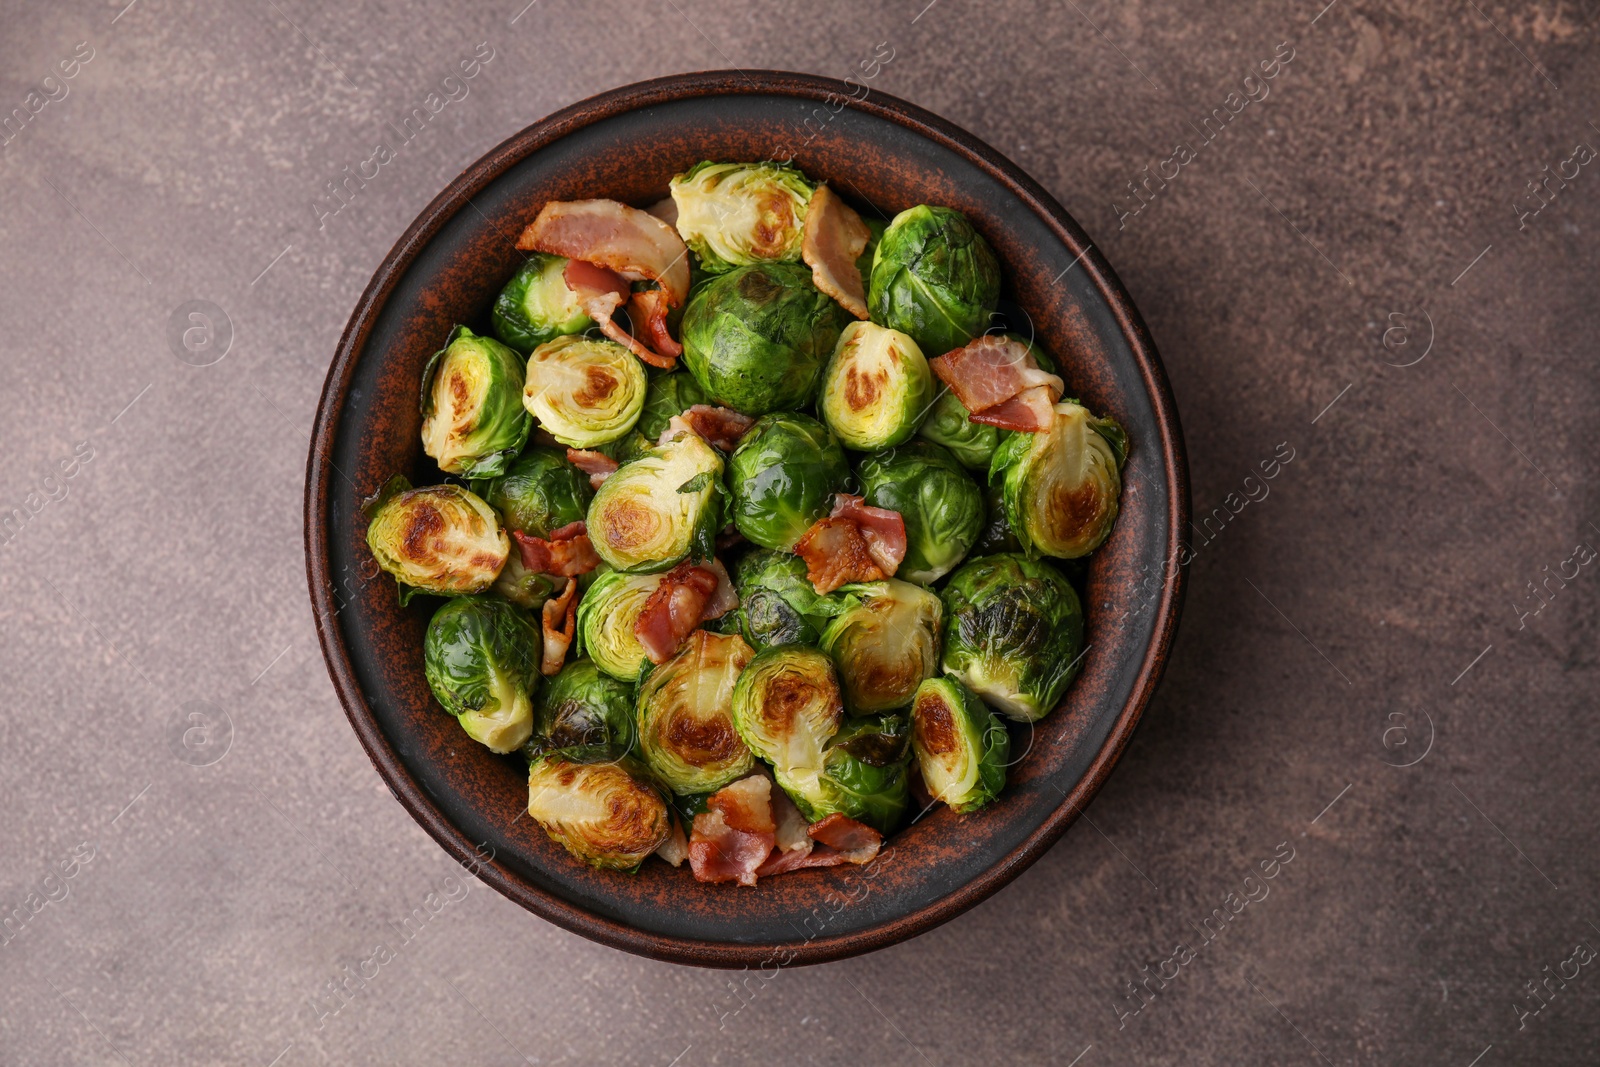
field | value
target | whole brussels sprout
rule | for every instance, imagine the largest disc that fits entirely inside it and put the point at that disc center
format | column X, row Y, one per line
column 756, row 338
column 782, row 478
column 996, row 535
column 660, row 508
column 949, row 424
column 786, row 705
column 935, row 278
column 540, row 492
column 606, row 615
column 1061, row 486
column 582, row 710
column 875, row 227
column 941, row 505
column 608, row 814
column 737, row 214
column 583, row 390
column 440, row 539
column 536, row 306
column 865, row 772
column 1013, row 633
column 962, row 748
column 876, row 387
column 884, row 643
column 481, row 659
column 686, row 729
column 473, row 423
column 778, row 605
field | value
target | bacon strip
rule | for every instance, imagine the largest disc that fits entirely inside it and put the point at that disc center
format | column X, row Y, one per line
column 648, row 310
column 600, row 292
column 790, row 824
column 560, row 624
column 565, row 553
column 992, row 370
column 882, row 529
column 784, row 862
column 833, row 240
column 856, row 842
column 732, row 838
column 1030, row 411
column 675, row 849
column 688, row 595
column 836, row 554
column 634, row 243
column 722, row 427
column 597, row 465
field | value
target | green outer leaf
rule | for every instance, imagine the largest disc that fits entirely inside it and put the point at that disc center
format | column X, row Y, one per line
column 481, row 659
column 782, row 478
column 777, row 603
column 948, row 424
column 584, row 708
column 540, row 492
column 942, row 506
column 934, row 277
column 854, row 783
column 525, row 317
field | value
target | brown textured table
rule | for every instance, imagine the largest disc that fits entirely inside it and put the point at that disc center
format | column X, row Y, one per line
column 1354, row 287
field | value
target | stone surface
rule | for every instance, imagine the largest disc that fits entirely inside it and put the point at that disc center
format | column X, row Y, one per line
column 173, row 742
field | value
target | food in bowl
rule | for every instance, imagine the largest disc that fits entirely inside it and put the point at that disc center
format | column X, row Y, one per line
column 747, row 520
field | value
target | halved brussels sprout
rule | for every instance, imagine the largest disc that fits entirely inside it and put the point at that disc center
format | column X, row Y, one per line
column 1061, row 486
column 582, row 710
column 606, row 615
column 949, row 424
column 481, row 659
column 935, row 278
column 607, row 814
column 540, row 492
column 778, row 605
column 658, row 509
column 536, row 306
column 941, row 505
column 736, row 214
column 756, row 338
column 473, row 423
column 786, row 706
column 876, row 387
column 440, row 539
column 1013, row 633
column 962, row 748
column 584, row 390
column 782, row 478
column 686, row 729
column 865, row 772
column 885, row 642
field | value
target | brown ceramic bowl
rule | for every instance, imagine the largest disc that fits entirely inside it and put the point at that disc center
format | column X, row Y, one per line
column 885, row 155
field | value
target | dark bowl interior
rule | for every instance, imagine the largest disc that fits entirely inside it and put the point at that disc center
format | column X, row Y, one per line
column 884, row 155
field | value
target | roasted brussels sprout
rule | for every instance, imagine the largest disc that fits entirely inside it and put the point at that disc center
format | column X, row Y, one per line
column 786, row 706
column 884, row 643
column 941, row 505
column 583, row 711
column 756, row 338
column 876, row 387
column 537, row 306
column 440, row 539
column 583, row 390
column 865, row 772
column 659, row 508
column 607, row 814
column 875, row 227
column 934, row 277
column 778, row 605
column 962, row 748
column 736, row 214
column 481, row 659
column 473, row 423
column 686, row 729
column 525, row 588
column 782, row 478
column 667, row 394
column 606, row 615
column 949, row 424
column 996, row 535
column 1061, row 486
column 1013, row 633
column 540, row 493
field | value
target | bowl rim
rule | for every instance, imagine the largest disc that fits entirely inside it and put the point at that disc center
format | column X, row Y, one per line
column 320, row 483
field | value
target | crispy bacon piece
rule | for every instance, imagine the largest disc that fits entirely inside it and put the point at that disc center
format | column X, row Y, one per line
column 600, row 292
column 1030, row 411
column 783, row 862
column 565, row 553
column 883, row 530
column 833, row 240
column 790, row 824
column 836, row 554
column 735, row 834
column 665, row 210
column 688, row 595
column 634, row 243
column 648, row 310
column 597, row 465
column 560, row 623
column 722, row 427
column 856, row 842
column 992, row 370
column 675, row 849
